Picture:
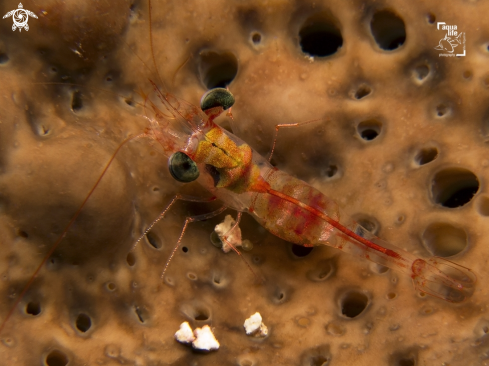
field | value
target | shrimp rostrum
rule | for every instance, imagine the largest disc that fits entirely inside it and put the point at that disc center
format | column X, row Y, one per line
column 199, row 150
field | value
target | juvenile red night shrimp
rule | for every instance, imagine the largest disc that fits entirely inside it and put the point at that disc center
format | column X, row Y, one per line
column 199, row 150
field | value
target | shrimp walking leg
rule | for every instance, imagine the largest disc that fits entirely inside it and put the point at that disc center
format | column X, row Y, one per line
column 287, row 125
column 188, row 220
column 178, row 197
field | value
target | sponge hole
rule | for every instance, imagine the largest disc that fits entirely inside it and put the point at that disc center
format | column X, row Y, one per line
column 320, row 36
column 153, row 240
column 406, row 358
column 323, row 270
column 33, row 308
column 426, row 155
column 215, row 240
column 201, row 314
column 485, row 81
column 43, row 130
column 129, row 101
column 56, row 358
column 197, row 311
column 378, row 268
column 257, row 259
column 22, row 234
column 388, row 30
column 83, row 322
column 420, row 73
column 441, row 110
column 216, row 279
column 76, row 101
column 141, row 314
column 406, row 362
column 353, row 303
column 368, row 222
column 317, row 356
column 246, row 362
column 362, row 92
column 330, row 171
column 481, row 329
column 219, row 280
column 444, row 240
column 467, row 74
column 217, row 69
column 131, row 259
column 483, row 205
column 3, row 58
column 256, row 38
column 280, row 294
column 301, row 251
column 369, row 130
column 454, row 187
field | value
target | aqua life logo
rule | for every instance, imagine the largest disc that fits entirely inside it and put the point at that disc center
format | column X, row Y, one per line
column 20, row 17
column 452, row 41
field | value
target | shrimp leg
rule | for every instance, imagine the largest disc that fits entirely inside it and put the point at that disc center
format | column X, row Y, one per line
column 286, row 125
column 188, row 220
column 178, row 197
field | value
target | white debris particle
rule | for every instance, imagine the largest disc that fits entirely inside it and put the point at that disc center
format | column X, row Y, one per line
column 255, row 326
column 185, row 334
column 233, row 237
column 205, row 339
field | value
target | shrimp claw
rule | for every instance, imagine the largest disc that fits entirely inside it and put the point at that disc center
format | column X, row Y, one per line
column 443, row 279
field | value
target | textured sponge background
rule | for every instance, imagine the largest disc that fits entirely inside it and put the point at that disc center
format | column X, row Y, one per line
column 400, row 142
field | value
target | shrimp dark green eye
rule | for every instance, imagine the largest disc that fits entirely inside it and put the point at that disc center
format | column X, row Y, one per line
column 218, row 97
column 182, row 168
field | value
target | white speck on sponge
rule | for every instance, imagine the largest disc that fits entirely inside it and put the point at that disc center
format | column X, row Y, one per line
column 185, row 334
column 255, row 326
column 233, row 237
column 205, row 339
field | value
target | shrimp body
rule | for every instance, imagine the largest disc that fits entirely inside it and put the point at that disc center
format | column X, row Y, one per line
column 294, row 211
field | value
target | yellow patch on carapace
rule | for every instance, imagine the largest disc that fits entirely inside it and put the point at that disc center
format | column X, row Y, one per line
column 235, row 166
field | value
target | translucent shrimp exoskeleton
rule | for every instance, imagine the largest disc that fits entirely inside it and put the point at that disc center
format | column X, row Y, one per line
column 443, row 279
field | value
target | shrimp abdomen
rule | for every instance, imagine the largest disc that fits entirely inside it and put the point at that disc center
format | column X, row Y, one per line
column 290, row 221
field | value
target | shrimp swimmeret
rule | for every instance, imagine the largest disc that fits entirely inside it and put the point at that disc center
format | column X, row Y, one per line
column 289, row 208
